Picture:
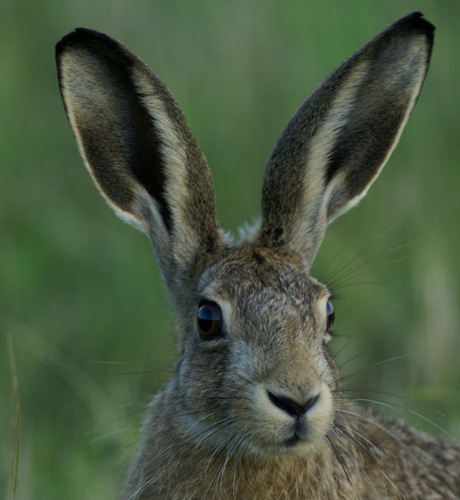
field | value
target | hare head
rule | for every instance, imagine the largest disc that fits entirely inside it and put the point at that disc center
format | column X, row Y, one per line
column 255, row 377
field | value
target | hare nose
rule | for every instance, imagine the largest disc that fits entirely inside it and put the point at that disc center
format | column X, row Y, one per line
column 291, row 407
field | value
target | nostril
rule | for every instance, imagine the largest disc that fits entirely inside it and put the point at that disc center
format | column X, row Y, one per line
column 290, row 406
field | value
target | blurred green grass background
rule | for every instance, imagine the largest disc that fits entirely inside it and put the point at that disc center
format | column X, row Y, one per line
column 80, row 292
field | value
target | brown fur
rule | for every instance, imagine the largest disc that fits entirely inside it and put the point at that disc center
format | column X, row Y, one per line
column 255, row 409
column 378, row 459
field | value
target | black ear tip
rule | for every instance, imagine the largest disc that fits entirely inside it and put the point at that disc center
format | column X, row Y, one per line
column 416, row 21
column 70, row 39
column 81, row 38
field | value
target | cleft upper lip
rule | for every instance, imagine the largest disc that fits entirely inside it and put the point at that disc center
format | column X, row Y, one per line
column 300, row 433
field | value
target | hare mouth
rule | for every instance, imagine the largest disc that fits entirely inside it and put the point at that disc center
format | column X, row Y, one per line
column 294, row 441
column 295, row 445
column 301, row 435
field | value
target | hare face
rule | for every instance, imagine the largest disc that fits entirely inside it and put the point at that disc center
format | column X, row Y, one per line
column 265, row 380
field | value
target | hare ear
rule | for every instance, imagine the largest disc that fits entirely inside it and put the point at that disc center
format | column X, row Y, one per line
column 139, row 150
column 340, row 138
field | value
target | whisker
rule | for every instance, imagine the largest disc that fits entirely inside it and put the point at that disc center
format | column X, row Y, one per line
column 220, row 473
column 394, row 405
column 146, row 371
column 375, row 423
column 342, row 273
column 213, row 458
column 338, row 457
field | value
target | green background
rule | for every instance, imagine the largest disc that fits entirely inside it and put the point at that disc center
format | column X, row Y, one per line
column 80, row 293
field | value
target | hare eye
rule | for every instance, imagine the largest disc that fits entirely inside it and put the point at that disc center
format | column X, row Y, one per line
column 330, row 315
column 209, row 320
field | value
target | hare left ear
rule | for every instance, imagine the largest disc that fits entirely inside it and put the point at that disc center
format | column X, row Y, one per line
column 139, row 151
column 338, row 141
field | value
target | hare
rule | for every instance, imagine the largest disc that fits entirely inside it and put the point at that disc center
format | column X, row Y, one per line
column 255, row 409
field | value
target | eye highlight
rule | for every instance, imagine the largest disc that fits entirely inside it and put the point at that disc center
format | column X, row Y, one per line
column 330, row 315
column 209, row 320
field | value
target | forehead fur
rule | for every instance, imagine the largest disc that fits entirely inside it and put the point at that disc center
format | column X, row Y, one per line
column 255, row 270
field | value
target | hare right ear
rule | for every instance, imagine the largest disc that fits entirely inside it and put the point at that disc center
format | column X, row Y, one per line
column 139, row 150
column 338, row 141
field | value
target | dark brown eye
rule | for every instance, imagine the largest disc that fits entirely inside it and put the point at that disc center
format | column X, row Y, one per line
column 330, row 315
column 209, row 320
